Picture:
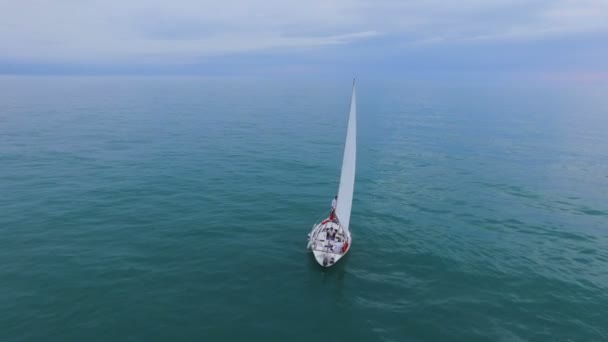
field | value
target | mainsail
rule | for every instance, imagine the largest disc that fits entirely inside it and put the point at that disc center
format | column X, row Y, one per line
column 347, row 177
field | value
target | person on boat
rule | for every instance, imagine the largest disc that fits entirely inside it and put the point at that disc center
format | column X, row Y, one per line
column 334, row 203
column 338, row 247
column 331, row 234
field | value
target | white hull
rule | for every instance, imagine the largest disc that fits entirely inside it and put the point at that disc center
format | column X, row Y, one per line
column 329, row 242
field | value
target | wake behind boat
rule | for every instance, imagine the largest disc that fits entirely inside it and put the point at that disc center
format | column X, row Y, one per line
column 330, row 239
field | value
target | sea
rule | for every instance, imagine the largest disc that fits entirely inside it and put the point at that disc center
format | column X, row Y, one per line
column 176, row 208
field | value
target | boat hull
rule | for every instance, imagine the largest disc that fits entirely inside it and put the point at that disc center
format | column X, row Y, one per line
column 329, row 242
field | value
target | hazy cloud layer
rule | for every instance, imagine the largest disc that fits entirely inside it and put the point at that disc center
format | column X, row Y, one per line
column 188, row 31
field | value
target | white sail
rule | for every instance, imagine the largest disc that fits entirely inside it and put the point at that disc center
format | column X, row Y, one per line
column 347, row 177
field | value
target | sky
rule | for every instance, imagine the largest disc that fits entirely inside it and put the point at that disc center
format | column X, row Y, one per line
column 552, row 38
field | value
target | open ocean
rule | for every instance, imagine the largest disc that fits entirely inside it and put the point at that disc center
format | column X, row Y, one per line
column 177, row 209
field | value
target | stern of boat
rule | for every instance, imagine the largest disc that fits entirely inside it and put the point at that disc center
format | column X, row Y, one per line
column 326, row 247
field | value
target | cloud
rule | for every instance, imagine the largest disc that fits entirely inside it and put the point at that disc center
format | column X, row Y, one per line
column 185, row 31
column 562, row 18
column 155, row 30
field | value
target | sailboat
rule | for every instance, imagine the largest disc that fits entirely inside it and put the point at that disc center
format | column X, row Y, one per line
column 330, row 239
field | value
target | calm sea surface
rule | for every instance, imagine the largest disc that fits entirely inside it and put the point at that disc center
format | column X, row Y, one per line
column 177, row 209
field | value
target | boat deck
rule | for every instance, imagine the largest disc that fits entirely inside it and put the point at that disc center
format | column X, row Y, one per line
column 329, row 240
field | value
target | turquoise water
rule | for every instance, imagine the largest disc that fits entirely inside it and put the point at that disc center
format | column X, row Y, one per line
column 155, row 209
